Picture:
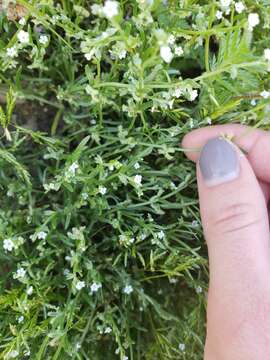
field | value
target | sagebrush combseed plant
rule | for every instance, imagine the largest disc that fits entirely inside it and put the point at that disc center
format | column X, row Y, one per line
column 102, row 253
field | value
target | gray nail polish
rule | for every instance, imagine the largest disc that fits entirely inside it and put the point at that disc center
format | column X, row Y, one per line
column 219, row 162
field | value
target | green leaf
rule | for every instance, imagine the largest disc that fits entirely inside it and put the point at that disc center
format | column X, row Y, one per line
column 3, row 117
column 80, row 148
column 234, row 48
column 20, row 169
column 11, row 101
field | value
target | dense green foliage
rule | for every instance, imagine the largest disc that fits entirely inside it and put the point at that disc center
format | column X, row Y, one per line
column 102, row 254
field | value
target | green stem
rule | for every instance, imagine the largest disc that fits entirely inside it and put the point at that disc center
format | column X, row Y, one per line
column 205, row 75
column 56, row 121
column 206, row 53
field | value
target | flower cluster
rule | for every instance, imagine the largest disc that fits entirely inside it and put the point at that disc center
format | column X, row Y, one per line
column 110, row 9
column 25, row 41
column 168, row 47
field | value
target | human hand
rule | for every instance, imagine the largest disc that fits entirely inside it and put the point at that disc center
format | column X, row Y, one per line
column 234, row 190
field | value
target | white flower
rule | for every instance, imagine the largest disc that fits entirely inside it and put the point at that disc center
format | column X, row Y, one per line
column 137, row 166
column 166, row 53
column 122, row 238
column 177, row 93
column 85, row 196
column 128, row 289
column 10, row 193
column 173, row 280
column 96, row 9
column 253, row 20
column 265, row 94
column 42, row 235
column 253, row 102
column 102, row 190
column 20, row 319
column 110, row 8
column 23, row 37
column 22, row 21
column 95, row 286
column 131, row 240
column 12, row 52
column 90, row 54
column 122, row 54
column 43, row 39
column 138, row 179
column 192, row 94
column 107, row 330
column 267, row 54
column 143, row 236
column 109, row 32
column 52, row 186
column 76, row 233
column 20, row 273
column 55, row 18
column 66, row 272
column 29, row 291
column 173, row 186
column 239, row 7
column 78, row 346
column 73, row 167
column 198, row 289
column 33, row 237
column 219, row 14
column 195, row 223
column 178, row 51
column 161, row 235
column 8, row 245
column 171, row 39
column 80, row 285
column 182, row 347
column 225, row 3
column 124, row 357
column 13, row 354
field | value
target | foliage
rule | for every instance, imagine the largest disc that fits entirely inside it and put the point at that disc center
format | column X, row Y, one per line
column 102, row 253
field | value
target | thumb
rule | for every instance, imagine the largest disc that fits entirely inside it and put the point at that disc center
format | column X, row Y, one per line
column 234, row 217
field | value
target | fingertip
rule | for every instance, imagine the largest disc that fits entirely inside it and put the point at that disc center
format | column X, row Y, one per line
column 193, row 142
column 190, row 146
column 184, row 143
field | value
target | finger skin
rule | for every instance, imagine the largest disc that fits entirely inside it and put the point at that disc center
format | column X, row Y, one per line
column 253, row 141
column 235, row 222
column 266, row 190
